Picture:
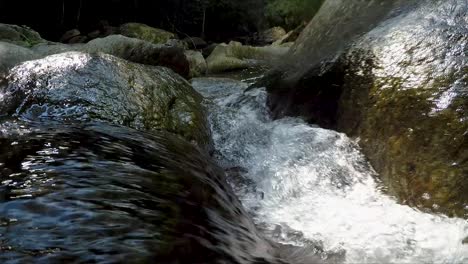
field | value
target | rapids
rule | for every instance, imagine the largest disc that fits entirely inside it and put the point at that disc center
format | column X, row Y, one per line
column 311, row 187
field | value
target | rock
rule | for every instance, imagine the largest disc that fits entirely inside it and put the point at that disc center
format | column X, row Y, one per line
column 94, row 34
column 130, row 49
column 401, row 89
column 271, row 35
column 78, row 39
column 140, row 51
column 103, row 193
column 197, row 63
column 12, row 55
column 87, row 87
column 19, row 35
column 195, row 43
column 145, row 32
column 177, row 43
column 291, row 36
column 208, row 50
column 69, row 35
column 235, row 56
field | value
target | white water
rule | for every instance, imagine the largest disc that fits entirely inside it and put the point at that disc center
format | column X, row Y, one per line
column 316, row 182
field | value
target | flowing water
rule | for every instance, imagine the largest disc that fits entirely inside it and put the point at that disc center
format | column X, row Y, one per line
column 311, row 187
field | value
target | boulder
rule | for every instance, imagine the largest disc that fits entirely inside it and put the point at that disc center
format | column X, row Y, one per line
column 85, row 87
column 19, row 35
column 271, row 35
column 12, row 55
column 69, row 35
column 197, row 63
column 235, row 56
column 195, row 43
column 291, row 36
column 130, row 49
column 401, row 88
column 145, row 32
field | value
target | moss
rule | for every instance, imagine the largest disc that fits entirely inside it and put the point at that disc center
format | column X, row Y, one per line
column 147, row 33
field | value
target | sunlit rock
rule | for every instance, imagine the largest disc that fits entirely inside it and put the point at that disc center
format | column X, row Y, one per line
column 79, row 86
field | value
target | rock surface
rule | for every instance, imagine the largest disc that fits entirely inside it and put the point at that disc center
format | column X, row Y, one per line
column 401, row 88
column 235, row 56
column 19, row 35
column 11, row 55
column 145, row 32
column 85, row 87
column 197, row 63
column 131, row 49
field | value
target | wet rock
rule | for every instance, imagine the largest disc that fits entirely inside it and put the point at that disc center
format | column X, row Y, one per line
column 197, row 63
column 195, row 43
column 130, row 49
column 401, row 89
column 67, row 36
column 93, row 192
column 145, row 32
column 235, row 56
column 78, row 39
column 19, row 35
column 79, row 86
column 11, row 55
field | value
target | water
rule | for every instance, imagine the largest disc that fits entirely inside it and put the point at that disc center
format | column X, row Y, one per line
column 87, row 192
column 305, row 186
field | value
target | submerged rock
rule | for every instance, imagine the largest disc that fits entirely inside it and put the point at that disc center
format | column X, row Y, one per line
column 401, row 89
column 93, row 192
column 146, row 33
column 19, row 35
column 85, row 87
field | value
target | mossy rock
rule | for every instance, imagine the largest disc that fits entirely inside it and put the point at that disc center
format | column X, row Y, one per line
column 81, row 86
column 19, row 35
column 235, row 56
column 197, row 63
column 405, row 96
column 11, row 55
column 147, row 33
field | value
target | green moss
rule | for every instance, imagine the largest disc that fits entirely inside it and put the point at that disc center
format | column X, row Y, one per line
column 147, row 33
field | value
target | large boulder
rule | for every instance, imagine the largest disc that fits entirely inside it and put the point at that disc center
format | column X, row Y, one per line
column 401, row 89
column 235, row 56
column 197, row 63
column 145, row 32
column 81, row 86
column 130, row 49
column 11, row 55
column 19, row 35
column 93, row 192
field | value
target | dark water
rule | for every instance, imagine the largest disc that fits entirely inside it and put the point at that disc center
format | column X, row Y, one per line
column 93, row 192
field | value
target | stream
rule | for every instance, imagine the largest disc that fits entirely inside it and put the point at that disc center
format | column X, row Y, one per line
column 312, row 188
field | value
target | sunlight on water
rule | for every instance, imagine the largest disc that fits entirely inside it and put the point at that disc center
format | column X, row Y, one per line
column 315, row 181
